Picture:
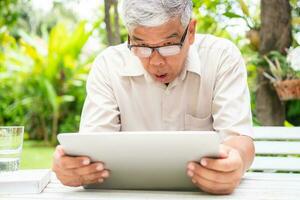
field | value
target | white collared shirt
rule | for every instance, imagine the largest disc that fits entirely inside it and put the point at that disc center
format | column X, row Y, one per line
column 211, row 93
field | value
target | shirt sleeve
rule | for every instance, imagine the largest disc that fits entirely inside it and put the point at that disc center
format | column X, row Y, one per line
column 100, row 111
column 231, row 108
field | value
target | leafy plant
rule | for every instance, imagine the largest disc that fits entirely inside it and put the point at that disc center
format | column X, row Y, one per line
column 252, row 20
column 281, row 67
column 44, row 82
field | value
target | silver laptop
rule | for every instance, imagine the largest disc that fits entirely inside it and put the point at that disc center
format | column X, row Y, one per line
column 144, row 160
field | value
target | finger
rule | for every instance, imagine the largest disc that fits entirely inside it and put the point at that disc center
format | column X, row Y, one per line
column 213, row 187
column 90, row 169
column 92, row 178
column 69, row 162
column 224, row 151
column 212, row 190
column 59, row 152
column 229, row 164
column 100, row 180
column 69, row 180
column 211, row 175
column 83, row 180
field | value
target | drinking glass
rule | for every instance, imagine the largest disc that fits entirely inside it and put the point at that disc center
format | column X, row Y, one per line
column 11, row 142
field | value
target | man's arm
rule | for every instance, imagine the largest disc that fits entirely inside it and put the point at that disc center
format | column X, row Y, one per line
column 245, row 146
column 222, row 175
column 100, row 113
column 232, row 116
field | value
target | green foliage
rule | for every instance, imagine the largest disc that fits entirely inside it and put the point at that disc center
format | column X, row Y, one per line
column 8, row 12
column 285, row 72
column 251, row 20
column 276, row 66
column 44, row 82
column 205, row 12
column 293, row 112
column 16, row 15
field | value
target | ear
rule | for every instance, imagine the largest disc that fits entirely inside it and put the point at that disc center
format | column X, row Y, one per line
column 192, row 31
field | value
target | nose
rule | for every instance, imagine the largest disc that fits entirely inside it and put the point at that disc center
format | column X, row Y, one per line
column 156, row 59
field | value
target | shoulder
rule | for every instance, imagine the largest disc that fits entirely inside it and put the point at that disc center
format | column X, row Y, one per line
column 211, row 41
column 107, row 64
column 219, row 54
column 112, row 57
column 213, row 44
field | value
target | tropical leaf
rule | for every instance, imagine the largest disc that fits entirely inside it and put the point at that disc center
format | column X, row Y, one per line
column 51, row 95
column 232, row 15
column 244, row 7
column 275, row 70
column 296, row 21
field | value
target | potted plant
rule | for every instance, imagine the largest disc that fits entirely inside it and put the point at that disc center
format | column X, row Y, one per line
column 284, row 73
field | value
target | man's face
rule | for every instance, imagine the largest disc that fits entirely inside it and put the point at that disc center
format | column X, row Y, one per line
column 164, row 69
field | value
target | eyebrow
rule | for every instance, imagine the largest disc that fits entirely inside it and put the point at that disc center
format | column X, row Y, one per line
column 173, row 35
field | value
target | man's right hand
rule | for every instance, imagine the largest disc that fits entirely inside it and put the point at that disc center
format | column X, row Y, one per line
column 77, row 171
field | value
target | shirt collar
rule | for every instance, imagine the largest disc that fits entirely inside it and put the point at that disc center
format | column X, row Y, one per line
column 192, row 63
column 133, row 66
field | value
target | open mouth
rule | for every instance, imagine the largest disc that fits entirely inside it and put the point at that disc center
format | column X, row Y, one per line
column 161, row 76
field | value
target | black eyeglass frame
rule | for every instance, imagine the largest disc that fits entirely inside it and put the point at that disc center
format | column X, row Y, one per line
column 180, row 44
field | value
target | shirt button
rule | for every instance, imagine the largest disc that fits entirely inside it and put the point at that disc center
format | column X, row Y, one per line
column 167, row 92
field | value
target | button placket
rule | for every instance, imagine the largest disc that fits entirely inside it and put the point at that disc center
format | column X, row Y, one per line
column 167, row 109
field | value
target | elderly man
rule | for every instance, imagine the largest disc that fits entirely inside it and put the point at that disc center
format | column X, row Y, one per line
column 167, row 77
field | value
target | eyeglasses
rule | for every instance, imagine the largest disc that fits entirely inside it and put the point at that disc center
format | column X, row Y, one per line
column 166, row 50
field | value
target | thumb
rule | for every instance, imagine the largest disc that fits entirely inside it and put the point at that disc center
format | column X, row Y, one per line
column 59, row 152
column 224, row 151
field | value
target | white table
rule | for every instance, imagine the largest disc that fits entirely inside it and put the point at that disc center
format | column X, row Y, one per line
column 271, row 186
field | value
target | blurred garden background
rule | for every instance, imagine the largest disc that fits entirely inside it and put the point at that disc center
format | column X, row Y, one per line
column 47, row 48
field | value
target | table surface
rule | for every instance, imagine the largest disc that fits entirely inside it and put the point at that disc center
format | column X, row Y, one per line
column 271, row 186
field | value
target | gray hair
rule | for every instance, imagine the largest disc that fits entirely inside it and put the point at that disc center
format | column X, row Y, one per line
column 153, row 13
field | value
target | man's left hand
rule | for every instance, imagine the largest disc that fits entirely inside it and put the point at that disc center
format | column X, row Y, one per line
column 218, row 175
